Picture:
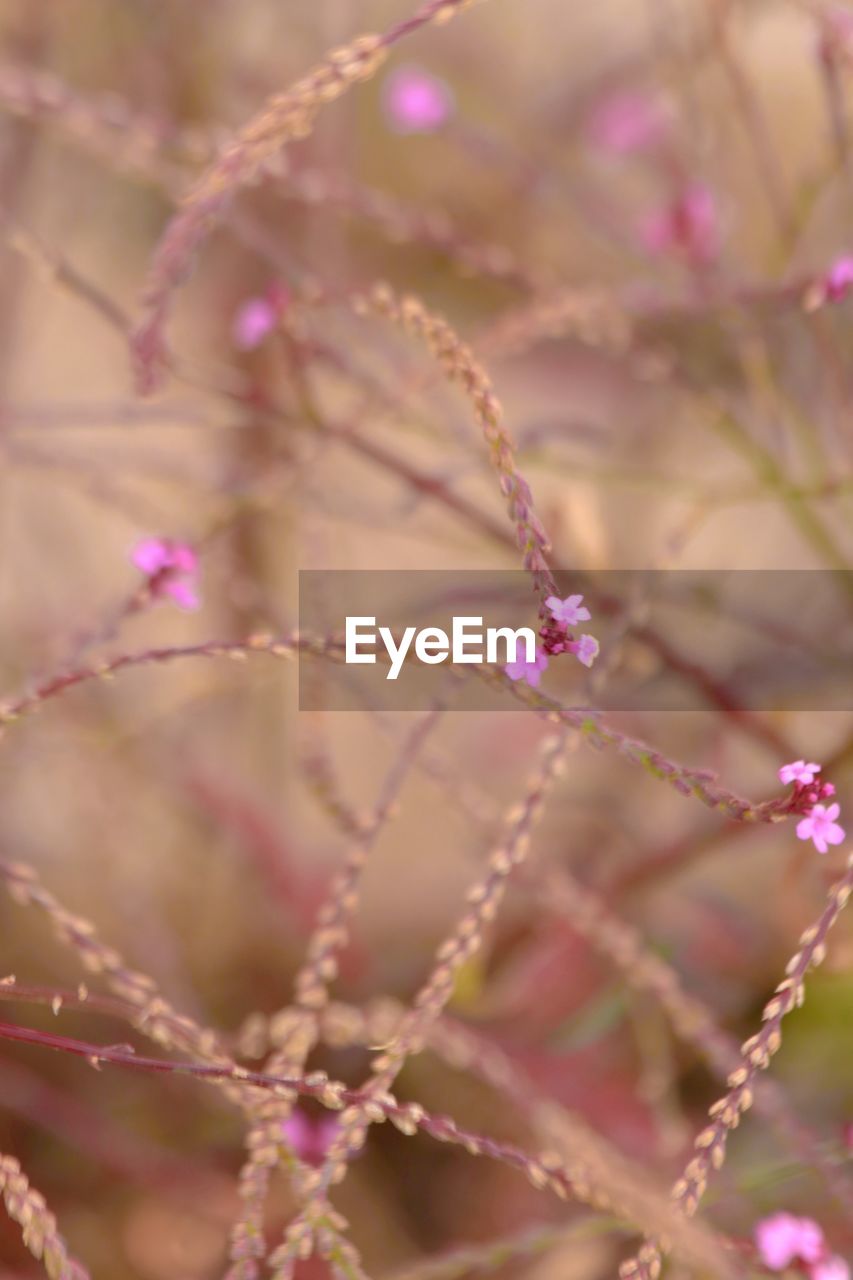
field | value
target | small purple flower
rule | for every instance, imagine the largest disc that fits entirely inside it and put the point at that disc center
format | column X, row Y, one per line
column 798, row 771
column 820, row 825
column 253, row 320
column 836, row 33
column 569, row 611
column 521, row 669
column 171, row 569
column 585, row 649
column 838, row 280
column 689, row 225
column 257, row 317
column 309, row 1138
column 627, row 122
column 782, row 1238
column 832, row 1267
column 416, row 101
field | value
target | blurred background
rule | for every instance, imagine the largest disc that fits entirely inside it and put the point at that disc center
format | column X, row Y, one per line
column 638, row 213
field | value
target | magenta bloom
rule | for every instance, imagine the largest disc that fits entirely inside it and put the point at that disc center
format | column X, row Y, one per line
column 837, row 32
column 783, row 1238
column 415, row 101
column 586, row 649
column 309, row 1138
column 253, row 320
column 689, row 226
column 627, row 122
column 171, row 569
column 830, row 1268
column 838, row 280
column 529, row 671
column 570, row 611
column 798, row 771
column 820, row 825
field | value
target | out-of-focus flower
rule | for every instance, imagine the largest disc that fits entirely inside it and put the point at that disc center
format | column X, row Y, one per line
column 415, row 101
column 839, row 279
column 836, row 32
column 689, row 225
column 782, row 1238
column 309, row 1138
column 820, row 825
column 626, row 122
column 585, row 649
column 253, row 320
column 521, row 669
column 831, row 1268
column 798, row 771
column 171, row 569
column 570, row 611
column 256, row 317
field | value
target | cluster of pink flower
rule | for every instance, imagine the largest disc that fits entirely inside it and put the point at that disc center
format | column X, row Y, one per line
column 687, row 225
column 630, row 123
column 556, row 638
column 171, row 569
column 819, row 822
column 783, row 1239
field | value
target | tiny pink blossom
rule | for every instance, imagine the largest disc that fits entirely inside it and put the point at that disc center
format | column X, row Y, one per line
column 521, row 669
column 837, row 32
column 820, row 825
column 585, row 649
column 171, row 568
column 253, row 320
column 309, row 1138
column 782, row 1238
column 688, row 225
column 798, row 771
column 416, row 101
column 570, row 611
column 830, row 1268
column 627, row 122
column 838, row 280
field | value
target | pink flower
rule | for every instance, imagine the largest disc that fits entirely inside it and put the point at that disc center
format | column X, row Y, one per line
column 171, row 569
column 830, row 1268
column 529, row 671
column 782, row 1238
column 253, row 320
column 799, row 772
column 570, row 611
column 415, row 101
column 585, row 649
column 837, row 33
column 838, row 280
column 820, row 826
column 257, row 317
column 689, row 226
column 627, row 122
column 309, row 1138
